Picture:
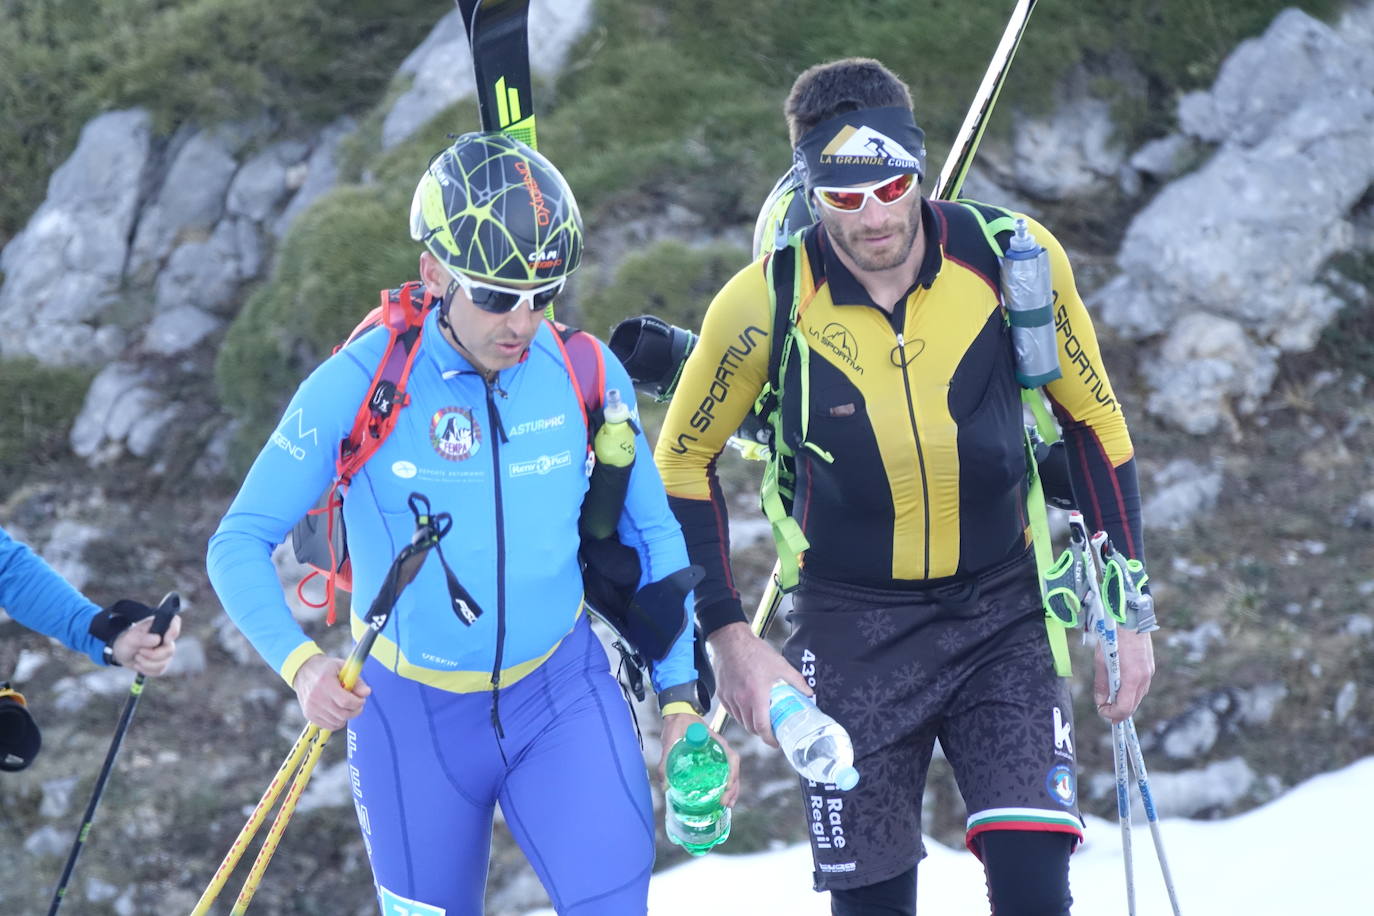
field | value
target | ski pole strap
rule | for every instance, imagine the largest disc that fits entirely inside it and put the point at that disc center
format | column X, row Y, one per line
column 787, row 534
column 1050, row 595
column 1122, row 582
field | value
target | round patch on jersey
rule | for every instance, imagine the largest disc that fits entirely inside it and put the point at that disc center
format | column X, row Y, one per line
column 1061, row 785
column 455, row 434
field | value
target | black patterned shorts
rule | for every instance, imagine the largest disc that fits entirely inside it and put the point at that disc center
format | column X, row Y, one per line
column 965, row 662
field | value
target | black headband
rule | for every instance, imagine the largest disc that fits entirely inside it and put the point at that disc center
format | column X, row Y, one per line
column 861, row 146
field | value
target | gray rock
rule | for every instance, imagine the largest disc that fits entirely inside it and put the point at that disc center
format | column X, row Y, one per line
column 98, row 891
column 178, row 330
column 1180, row 492
column 145, row 434
column 65, row 267
column 1192, row 734
column 189, row 659
column 66, row 547
column 1164, row 157
column 315, row 177
column 190, row 201
column 1245, row 238
column 1257, row 705
column 1214, row 788
column 1266, row 78
column 441, row 67
column 328, row 788
column 207, row 271
column 231, row 639
column 47, row 841
column 124, row 408
column 1345, row 701
column 261, row 184
column 1206, row 367
column 57, row 797
column 71, row 694
column 28, row 664
column 1197, row 642
column 1072, row 152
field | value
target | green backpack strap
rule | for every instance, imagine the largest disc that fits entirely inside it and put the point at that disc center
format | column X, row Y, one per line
column 783, row 272
column 1060, row 604
column 991, row 227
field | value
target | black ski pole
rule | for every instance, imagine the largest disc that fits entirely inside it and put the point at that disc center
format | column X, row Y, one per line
column 162, row 619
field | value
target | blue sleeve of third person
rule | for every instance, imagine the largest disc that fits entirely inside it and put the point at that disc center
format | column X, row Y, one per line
column 36, row 596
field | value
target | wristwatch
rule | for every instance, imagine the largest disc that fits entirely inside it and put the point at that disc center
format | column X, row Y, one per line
column 681, row 693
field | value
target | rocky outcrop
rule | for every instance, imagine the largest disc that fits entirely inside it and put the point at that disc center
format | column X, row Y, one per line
column 66, row 268
column 1224, row 269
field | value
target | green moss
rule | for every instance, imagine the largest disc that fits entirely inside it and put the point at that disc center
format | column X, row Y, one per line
column 43, row 402
column 337, row 256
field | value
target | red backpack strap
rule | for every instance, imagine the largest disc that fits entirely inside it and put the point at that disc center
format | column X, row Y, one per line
column 404, row 317
column 586, row 363
column 402, row 312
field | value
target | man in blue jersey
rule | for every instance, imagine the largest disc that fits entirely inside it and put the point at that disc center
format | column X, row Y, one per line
column 36, row 596
column 517, row 706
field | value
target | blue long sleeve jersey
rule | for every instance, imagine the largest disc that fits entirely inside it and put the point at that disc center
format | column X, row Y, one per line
column 506, row 459
column 36, row 596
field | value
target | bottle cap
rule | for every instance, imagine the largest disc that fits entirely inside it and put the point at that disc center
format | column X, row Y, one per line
column 615, row 409
column 847, row 779
column 697, row 735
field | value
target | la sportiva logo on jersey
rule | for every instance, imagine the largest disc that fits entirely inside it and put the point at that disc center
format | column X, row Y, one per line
column 840, row 341
column 455, row 434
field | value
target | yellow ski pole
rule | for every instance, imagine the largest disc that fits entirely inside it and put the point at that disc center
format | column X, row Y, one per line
column 429, row 529
column 274, row 833
column 269, row 798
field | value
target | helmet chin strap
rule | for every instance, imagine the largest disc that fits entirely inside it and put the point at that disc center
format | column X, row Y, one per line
column 446, row 325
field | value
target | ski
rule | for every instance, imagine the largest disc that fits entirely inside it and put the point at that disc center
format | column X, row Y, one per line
column 498, row 32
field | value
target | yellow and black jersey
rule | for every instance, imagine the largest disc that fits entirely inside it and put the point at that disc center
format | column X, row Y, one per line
column 919, row 411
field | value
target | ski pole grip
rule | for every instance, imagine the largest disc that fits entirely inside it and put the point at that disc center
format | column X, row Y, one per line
column 162, row 617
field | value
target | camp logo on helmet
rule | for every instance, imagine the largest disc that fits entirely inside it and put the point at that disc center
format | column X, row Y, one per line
column 454, row 433
column 541, row 209
column 542, row 260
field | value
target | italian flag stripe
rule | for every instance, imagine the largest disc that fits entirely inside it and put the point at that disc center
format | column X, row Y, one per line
column 1021, row 819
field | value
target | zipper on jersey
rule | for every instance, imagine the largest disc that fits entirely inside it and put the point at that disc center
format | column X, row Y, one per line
column 494, row 421
column 899, row 320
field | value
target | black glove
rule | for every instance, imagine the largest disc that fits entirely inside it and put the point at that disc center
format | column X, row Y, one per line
column 114, row 620
column 20, row 739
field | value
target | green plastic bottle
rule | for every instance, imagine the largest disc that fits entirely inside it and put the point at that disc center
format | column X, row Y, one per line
column 614, row 446
column 697, row 774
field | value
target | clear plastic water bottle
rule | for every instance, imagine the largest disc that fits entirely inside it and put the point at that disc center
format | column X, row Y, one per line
column 614, row 446
column 816, row 745
column 697, row 774
column 1029, row 298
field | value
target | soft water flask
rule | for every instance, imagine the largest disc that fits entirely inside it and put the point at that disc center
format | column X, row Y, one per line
column 614, row 445
column 697, row 774
column 1029, row 297
column 816, row 745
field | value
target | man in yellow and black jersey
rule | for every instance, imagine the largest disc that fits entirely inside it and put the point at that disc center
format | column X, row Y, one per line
column 919, row 603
